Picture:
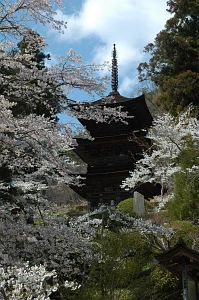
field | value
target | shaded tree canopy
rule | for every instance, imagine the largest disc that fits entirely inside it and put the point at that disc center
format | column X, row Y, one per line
column 174, row 62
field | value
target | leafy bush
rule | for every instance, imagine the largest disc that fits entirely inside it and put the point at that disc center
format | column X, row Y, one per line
column 187, row 232
column 126, row 206
column 164, row 285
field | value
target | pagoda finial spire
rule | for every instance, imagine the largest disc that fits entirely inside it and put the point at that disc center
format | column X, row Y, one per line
column 114, row 81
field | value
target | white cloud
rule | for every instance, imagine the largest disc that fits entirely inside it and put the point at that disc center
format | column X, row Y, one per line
column 131, row 24
column 127, row 84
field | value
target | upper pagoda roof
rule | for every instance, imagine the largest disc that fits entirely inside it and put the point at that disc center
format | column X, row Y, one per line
column 135, row 107
column 113, row 98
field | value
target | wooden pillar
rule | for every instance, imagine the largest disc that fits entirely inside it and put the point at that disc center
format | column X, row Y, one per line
column 196, row 289
column 184, row 281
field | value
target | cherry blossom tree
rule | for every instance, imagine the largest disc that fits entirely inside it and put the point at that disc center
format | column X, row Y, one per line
column 34, row 145
column 97, row 223
column 34, row 150
column 26, row 282
column 169, row 136
column 16, row 14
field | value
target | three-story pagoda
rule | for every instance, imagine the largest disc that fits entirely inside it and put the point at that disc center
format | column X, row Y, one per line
column 115, row 148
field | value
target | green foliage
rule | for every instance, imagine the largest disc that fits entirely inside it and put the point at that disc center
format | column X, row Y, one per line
column 185, row 203
column 126, row 206
column 187, row 232
column 149, row 206
column 124, row 270
column 120, row 269
column 164, row 285
column 174, row 62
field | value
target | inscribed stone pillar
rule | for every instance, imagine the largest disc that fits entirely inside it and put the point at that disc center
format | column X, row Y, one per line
column 138, row 204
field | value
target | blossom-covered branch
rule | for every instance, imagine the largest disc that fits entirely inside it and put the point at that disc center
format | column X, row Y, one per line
column 91, row 225
column 14, row 15
column 169, row 138
column 27, row 282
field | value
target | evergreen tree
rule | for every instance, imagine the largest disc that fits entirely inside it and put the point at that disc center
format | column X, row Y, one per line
column 174, row 62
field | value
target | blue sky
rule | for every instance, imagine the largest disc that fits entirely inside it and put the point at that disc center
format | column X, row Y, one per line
column 95, row 25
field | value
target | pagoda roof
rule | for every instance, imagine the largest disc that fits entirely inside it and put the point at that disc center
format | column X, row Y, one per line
column 113, row 98
column 135, row 107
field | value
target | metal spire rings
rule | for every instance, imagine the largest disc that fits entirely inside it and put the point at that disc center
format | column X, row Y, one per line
column 114, row 81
